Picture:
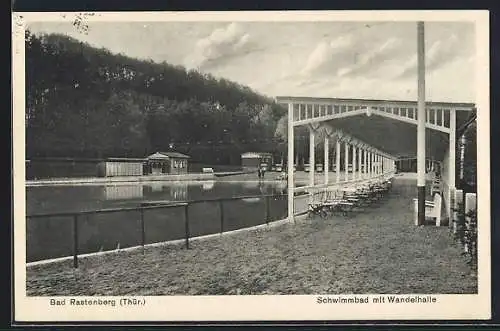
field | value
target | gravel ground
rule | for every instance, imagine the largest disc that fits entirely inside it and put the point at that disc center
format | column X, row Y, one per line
column 378, row 250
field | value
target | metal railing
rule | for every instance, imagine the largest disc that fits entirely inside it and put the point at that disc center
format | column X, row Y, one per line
column 157, row 205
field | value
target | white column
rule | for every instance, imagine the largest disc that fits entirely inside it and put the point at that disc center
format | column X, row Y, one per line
column 337, row 161
column 463, row 142
column 421, row 124
column 359, row 163
column 452, row 157
column 290, row 163
column 354, row 163
column 369, row 164
column 326, row 165
column 346, row 161
column 311, row 156
column 365, row 160
column 372, row 164
column 379, row 168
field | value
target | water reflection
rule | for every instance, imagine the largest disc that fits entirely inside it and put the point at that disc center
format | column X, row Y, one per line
column 121, row 192
column 183, row 191
column 250, row 200
column 273, row 188
column 262, row 188
column 54, row 199
column 175, row 191
column 179, row 191
column 251, row 184
column 154, row 187
column 208, row 185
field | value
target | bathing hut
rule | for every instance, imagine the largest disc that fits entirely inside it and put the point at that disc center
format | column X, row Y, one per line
column 161, row 163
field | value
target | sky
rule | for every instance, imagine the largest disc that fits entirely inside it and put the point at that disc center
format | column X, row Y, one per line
column 374, row 60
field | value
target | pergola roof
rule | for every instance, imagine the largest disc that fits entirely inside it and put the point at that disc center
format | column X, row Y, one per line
column 375, row 102
column 391, row 136
column 388, row 133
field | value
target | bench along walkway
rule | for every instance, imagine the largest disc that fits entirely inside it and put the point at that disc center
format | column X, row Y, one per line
column 378, row 250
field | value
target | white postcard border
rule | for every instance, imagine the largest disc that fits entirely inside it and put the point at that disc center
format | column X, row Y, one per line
column 265, row 307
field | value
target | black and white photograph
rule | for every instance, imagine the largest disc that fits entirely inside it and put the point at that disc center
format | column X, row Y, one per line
column 227, row 166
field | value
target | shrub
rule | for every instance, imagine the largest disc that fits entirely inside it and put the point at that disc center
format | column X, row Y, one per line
column 467, row 232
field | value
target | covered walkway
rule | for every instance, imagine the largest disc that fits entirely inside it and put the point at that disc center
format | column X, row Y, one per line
column 361, row 141
column 375, row 251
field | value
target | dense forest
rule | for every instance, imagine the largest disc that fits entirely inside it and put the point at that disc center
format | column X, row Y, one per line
column 85, row 102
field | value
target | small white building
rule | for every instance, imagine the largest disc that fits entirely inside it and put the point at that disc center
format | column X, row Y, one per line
column 256, row 160
column 112, row 167
column 167, row 163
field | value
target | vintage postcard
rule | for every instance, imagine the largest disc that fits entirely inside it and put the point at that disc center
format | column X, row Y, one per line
column 251, row 166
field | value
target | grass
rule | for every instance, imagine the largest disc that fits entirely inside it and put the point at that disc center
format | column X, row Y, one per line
column 373, row 251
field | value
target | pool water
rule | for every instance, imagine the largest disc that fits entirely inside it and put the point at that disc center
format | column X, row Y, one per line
column 53, row 236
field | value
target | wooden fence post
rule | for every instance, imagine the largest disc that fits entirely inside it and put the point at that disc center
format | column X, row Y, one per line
column 75, row 241
column 143, row 229
column 267, row 209
column 221, row 208
column 186, row 220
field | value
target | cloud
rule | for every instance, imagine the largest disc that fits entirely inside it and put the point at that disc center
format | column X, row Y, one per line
column 368, row 63
column 369, row 54
column 353, row 55
column 325, row 54
column 221, row 45
column 441, row 53
column 372, row 59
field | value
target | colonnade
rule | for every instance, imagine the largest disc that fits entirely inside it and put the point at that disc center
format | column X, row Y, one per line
column 361, row 161
column 439, row 117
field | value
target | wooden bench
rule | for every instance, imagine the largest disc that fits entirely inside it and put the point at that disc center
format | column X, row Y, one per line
column 207, row 170
column 432, row 209
column 325, row 202
column 338, row 205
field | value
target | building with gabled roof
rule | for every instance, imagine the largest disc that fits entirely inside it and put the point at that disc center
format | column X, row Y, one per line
column 167, row 163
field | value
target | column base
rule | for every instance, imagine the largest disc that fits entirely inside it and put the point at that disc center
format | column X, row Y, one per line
column 421, row 204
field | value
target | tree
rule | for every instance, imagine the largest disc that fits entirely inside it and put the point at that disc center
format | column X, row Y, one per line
column 87, row 102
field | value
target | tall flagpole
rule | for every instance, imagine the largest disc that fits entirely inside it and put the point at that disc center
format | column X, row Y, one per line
column 421, row 122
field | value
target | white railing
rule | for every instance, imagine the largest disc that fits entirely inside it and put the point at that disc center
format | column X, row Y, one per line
column 437, row 117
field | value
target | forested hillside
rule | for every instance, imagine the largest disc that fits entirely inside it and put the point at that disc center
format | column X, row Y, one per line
column 86, row 102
